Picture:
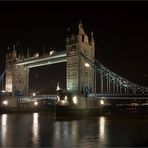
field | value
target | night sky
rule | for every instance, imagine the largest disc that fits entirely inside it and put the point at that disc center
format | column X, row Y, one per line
column 120, row 32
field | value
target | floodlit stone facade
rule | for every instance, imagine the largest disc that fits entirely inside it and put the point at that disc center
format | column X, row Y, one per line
column 16, row 76
column 80, row 77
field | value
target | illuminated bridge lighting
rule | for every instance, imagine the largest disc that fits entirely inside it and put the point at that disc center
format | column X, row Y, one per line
column 56, row 58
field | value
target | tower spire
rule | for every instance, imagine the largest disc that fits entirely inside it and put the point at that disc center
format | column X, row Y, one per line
column 92, row 42
column 81, row 30
column 14, row 54
column 92, row 37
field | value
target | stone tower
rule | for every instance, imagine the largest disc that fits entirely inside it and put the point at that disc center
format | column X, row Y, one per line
column 80, row 79
column 10, row 60
column 16, row 81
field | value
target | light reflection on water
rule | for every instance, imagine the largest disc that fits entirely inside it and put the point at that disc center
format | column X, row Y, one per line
column 35, row 130
column 4, row 129
column 101, row 129
column 65, row 133
column 42, row 130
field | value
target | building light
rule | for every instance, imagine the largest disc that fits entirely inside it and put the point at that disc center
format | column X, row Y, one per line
column 58, row 87
column 34, row 94
column 65, row 98
column 75, row 100
column 87, row 65
column 35, row 103
column 63, row 102
column 5, row 102
column 101, row 102
column 58, row 98
column 51, row 52
column 36, row 55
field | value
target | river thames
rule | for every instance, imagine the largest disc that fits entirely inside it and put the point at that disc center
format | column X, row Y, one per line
column 42, row 130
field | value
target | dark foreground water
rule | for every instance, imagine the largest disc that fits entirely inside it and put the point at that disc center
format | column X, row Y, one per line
column 42, row 130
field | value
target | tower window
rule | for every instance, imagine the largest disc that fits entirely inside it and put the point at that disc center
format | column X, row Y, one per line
column 82, row 38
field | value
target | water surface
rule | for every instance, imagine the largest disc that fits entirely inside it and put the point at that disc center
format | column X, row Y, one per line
column 42, row 130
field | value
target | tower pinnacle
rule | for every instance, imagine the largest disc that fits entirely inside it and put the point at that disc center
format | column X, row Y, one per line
column 81, row 30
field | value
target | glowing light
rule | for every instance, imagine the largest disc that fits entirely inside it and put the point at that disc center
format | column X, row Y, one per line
column 58, row 98
column 75, row 100
column 65, row 98
column 87, row 65
column 102, row 128
column 36, row 55
column 4, row 130
column 51, row 52
column 101, row 102
column 5, row 102
column 58, row 87
column 35, row 129
column 63, row 102
column 3, row 91
column 34, row 94
column 35, row 118
column 125, row 85
column 4, row 119
column 36, row 103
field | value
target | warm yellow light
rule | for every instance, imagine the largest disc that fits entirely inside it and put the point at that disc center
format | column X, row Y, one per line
column 51, row 52
column 87, row 65
column 58, row 87
column 75, row 100
column 34, row 94
column 36, row 55
column 58, row 98
column 63, row 102
column 65, row 98
column 35, row 103
column 5, row 102
column 101, row 102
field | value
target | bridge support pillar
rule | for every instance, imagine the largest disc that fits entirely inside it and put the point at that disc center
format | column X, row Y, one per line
column 21, row 79
column 82, row 102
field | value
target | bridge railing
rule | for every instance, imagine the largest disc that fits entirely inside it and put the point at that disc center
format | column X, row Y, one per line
column 113, row 82
column 117, row 95
column 36, row 98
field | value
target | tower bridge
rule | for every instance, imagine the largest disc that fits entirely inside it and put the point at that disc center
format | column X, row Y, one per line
column 81, row 66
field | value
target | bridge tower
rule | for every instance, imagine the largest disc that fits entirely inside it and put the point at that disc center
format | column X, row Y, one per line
column 80, row 76
column 10, row 60
column 16, row 81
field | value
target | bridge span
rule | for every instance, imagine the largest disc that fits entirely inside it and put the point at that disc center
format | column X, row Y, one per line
column 43, row 60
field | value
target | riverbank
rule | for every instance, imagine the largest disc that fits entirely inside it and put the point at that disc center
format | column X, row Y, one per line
column 60, row 111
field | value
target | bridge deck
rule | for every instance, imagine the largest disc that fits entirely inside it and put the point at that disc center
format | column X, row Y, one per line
column 121, row 96
column 43, row 60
